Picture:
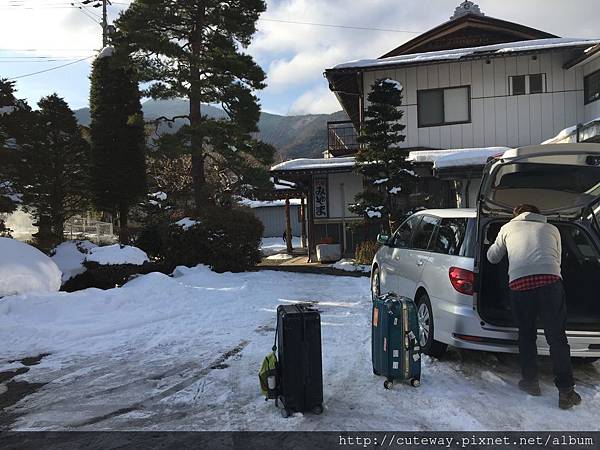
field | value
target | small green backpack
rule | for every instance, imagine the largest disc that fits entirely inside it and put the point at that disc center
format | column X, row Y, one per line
column 268, row 369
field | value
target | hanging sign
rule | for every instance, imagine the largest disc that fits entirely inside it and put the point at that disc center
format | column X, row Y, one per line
column 320, row 197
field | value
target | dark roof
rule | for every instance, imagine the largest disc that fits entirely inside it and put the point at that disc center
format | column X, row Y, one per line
column 470, row 30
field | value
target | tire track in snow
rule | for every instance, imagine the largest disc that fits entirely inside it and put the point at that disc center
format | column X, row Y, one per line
column 168, row 392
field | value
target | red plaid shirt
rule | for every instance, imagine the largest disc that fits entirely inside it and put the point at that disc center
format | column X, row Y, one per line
column 532, row 282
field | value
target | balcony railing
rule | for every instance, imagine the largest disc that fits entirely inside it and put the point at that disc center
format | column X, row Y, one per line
column 341, row 138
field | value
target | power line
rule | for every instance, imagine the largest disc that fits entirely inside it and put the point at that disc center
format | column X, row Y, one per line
column 295, row 22
column 51, row 68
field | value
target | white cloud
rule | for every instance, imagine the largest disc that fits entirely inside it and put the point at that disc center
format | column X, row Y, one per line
column 318, row 100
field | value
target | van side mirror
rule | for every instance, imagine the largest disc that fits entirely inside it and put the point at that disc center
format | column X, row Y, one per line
column 383, row 239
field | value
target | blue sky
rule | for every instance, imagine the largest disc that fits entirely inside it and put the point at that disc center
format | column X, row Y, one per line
column 293, row 55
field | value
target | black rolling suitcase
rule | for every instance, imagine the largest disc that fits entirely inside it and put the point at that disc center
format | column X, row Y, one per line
column 299, row 353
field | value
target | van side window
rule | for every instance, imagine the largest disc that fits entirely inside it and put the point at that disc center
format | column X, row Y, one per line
column 450, row 236
column 403, row 234
column 424, row 232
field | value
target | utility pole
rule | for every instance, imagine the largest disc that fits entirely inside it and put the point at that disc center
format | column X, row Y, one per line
column 104, row 25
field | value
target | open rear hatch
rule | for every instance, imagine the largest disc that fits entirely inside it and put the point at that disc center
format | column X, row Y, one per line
column 563, row 181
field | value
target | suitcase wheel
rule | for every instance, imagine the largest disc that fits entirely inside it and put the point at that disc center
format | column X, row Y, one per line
column 317, row 409
column 285, row 413
column 388, row 384
column 415, row 382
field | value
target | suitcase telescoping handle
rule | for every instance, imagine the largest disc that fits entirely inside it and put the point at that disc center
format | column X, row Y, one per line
column 274, row 348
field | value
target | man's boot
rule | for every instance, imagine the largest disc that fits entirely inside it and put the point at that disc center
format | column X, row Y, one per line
column 567, row 398
column 532, row 387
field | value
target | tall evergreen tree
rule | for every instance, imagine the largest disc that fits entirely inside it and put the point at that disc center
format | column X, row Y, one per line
column 8, row 104
column 51, row 166
column 380, row 159
column 194, row 49
column 7, row 196
column 118, row 139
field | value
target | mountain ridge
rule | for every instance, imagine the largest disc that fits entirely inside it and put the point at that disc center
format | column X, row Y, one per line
column 298, row 136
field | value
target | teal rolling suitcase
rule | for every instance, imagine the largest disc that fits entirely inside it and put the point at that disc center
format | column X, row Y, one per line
column 395, row 340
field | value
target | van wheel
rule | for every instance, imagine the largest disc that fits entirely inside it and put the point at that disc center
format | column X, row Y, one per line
column 375, row 283
column 429, row 346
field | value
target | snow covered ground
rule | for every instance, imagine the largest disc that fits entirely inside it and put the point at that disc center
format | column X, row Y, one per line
column 271, row 245
column 183, row 352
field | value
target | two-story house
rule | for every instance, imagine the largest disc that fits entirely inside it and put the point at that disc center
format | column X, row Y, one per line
column 472, row 85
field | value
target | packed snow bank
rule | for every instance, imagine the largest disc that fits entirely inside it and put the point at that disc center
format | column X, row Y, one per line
column 25, row 269
column 69, row 257
column 117, row 254
column 349, row 265
column 271, row 245
column 182, row 353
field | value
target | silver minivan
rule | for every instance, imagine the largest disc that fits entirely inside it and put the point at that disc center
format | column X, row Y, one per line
column 438, row 257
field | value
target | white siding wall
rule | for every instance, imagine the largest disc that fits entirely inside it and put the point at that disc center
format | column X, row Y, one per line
column 352, row 185
column 497, row 119
column 592, row 110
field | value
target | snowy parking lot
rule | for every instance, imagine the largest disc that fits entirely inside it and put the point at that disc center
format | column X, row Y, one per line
column 183, row 352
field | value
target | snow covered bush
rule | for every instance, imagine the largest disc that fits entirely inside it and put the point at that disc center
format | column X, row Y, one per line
column 86, row 265
column 24, row 268
column 226, row 240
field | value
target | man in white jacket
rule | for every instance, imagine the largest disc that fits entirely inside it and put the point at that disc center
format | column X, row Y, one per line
column 536, row 288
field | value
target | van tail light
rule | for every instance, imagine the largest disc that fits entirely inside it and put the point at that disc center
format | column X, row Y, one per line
column 462, row 280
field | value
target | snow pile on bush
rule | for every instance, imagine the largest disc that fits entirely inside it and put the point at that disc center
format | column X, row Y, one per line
column 117, row 254
column 69, row 257
column 186, row 223
column 24, row 268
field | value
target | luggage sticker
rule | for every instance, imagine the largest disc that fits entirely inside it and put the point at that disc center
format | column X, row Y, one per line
column 375, row 316
column 416, row 356
column 396, row 353
column 411, row 335
column 385, row 344
column 395, row 365
column 395, row 321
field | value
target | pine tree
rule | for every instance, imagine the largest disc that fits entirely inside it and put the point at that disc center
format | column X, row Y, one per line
column 193, row 49
column 117, row 138
column 380, row 159
column 7, row 107
column 51, row 167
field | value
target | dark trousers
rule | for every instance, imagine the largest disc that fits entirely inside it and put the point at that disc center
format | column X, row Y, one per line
column 549, row 303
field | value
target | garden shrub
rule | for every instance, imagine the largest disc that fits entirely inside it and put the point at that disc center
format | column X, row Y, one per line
column 365, row 252
column 107, row 276
column 227, row 240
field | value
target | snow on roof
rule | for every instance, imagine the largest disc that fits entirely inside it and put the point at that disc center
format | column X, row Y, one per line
column 448, row 213
column 315, row 163
column 456, row 157
column 509, row 47
column 266, row 203
column 567, row 135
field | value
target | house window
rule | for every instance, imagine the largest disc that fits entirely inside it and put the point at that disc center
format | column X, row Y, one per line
column 527, row 84
column 592, row 87
column 448, row 106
